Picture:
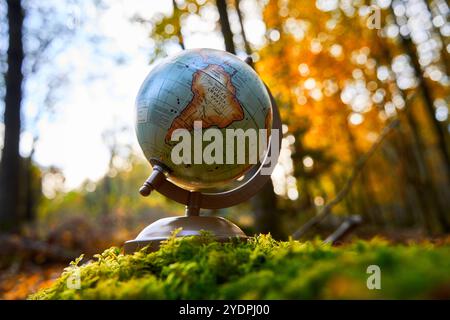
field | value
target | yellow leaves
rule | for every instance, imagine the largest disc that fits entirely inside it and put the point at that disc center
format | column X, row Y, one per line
column 317, row 56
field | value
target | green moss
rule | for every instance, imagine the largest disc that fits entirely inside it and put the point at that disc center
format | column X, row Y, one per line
column 200, row 268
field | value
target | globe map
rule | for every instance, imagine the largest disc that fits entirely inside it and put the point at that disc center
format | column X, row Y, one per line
column 211, row 86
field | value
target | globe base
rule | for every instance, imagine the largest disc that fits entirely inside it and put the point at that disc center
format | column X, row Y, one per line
column 160, row 230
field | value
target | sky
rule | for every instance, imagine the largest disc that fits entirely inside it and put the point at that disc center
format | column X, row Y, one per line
column 99, row 96
column 103, row 78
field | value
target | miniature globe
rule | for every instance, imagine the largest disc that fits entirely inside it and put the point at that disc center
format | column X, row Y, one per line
column 186, row 95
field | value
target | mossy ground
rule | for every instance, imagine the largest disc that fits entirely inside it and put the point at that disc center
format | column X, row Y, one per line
column 262, row 268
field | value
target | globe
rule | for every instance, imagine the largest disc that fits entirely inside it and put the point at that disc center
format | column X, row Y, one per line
column 191, row 93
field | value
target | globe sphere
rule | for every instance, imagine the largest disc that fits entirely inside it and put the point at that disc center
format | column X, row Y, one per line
column 188, row 95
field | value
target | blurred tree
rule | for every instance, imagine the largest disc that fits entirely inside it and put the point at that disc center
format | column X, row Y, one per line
column 225, row 26
column 117, row 150
column 31, row 193
column 247, row 47
column 264, row 203
column 176, row 13
column 10, row 168
column 44, row 33
column 440, row 129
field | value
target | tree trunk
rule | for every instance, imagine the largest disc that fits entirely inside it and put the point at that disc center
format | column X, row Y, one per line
column 445, row 56
column 248, row 50
column 30, row 205
column 264, row 205
column 422, row 178
column 10, row 163
column 178, row 27
column 264, row 202
column 225, row 26
column 424, row 89
column 364, row 193
column 427, row 188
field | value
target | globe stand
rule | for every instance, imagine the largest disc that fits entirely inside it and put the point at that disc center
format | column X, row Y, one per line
column 192, row 223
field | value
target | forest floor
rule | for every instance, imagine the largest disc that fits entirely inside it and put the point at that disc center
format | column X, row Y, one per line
column 29, row 264
column 35, row 258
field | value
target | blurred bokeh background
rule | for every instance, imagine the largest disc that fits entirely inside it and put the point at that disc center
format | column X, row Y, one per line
column 362, row 85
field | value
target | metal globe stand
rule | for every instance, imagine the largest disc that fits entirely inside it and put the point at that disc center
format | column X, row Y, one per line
column 192, row 223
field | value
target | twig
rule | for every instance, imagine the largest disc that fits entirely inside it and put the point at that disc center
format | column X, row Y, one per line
column 345, row 228
column 326, row 210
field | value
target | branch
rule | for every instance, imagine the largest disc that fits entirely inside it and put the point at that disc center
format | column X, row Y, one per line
column 345, row 228
column 326, row 210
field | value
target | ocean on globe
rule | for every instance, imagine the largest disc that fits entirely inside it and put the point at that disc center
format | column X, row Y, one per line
column 211, row 86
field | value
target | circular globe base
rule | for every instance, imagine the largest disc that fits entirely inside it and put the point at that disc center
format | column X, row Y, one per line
column 222, row 229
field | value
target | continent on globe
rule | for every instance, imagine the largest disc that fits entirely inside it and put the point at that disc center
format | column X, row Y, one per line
column 214, row 101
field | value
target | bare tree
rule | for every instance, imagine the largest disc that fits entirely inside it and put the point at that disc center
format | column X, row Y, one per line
column 248, row 50
column 10, row 163
column 176, row 12
column 264, row 203
column 426, row 92
column 30, row 52
column 225, row 26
